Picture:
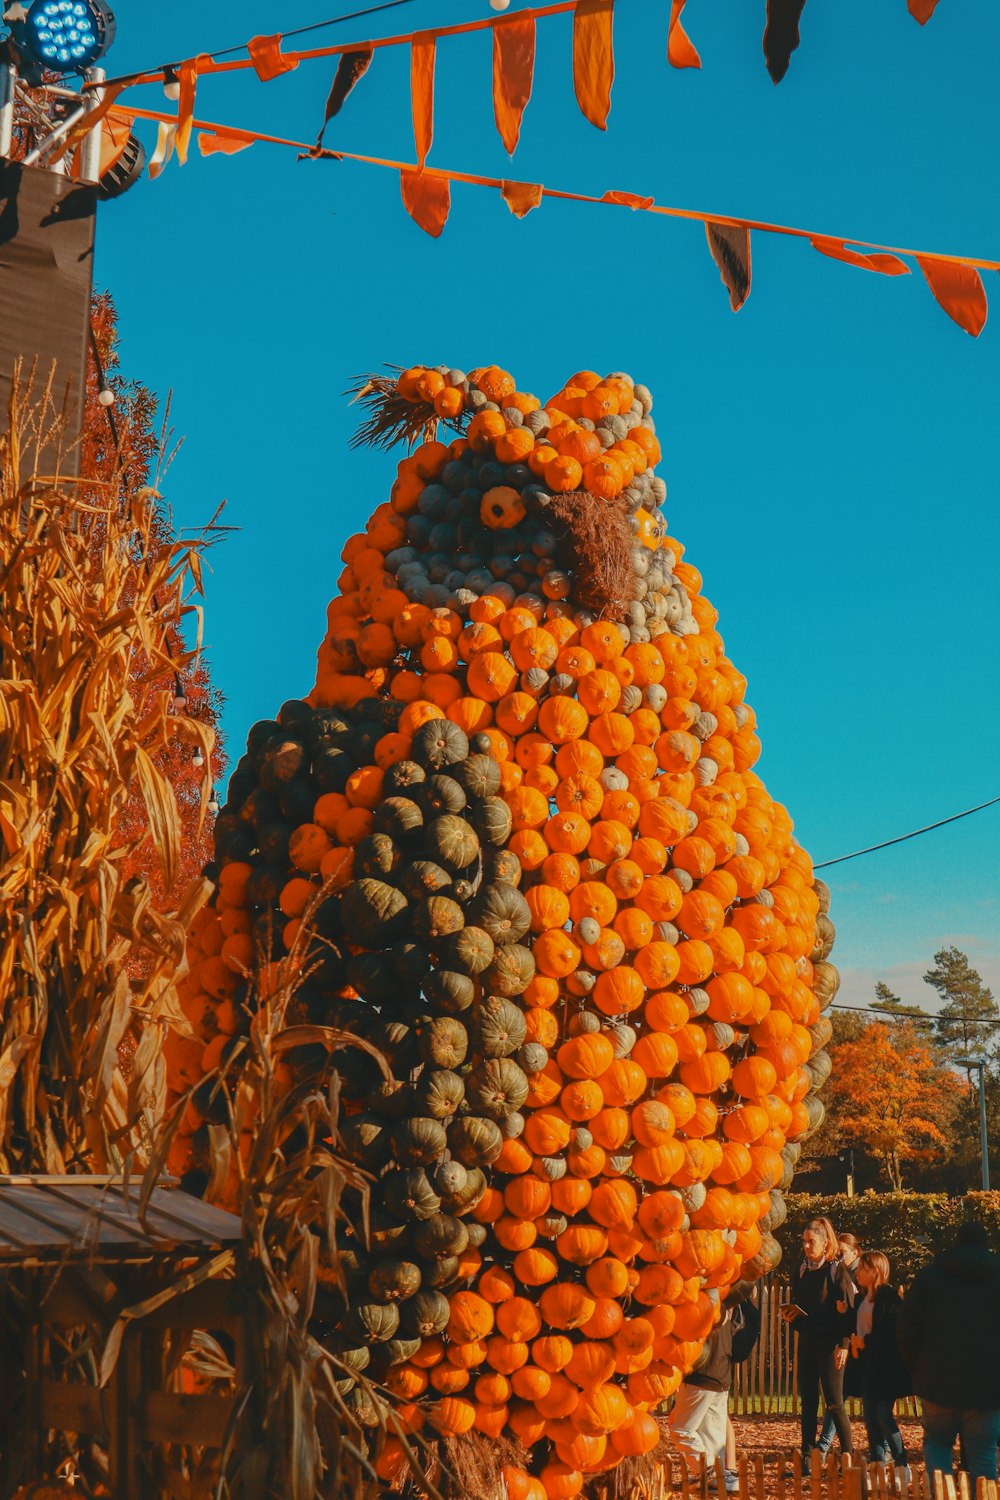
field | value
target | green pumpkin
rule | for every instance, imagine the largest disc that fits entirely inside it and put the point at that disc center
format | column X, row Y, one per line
column 439, row 743
column 442, row 1235
column 400, row 777
column 407, row 1191
column 372, row 911
column 501, row 911
column 442, row 794
column 354, row 1359
column 493, row 821
column 422, row 878
column 464, row 1202
column 366, row 1140
column 470, row 951
column 498, row 1027
column 448, row 991
column 437, row 917
column 475, row 1140
column 442, row 1272
column 425, row 1315
column 394, row 1280
column 372, row 976
column 511, row 971
column 452, row 842
column 440, row 1093
column 450, row 1179
column 397, row 1351
column 479, row 775
column 444, row 1042
column 376, row 856
column 399, row 817
column 496, row 1087
column 374, row 1320
column 502, row 867
column 390, row 1097
column 365, row 1408
column 477, row 1233
column 418, row 1141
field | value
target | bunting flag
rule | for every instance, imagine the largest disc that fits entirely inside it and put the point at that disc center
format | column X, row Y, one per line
column 352, row 66
column 781, row 35
column 422, row 52
column 953, row 279
column 228, row 145
column 959, row 289
column 730, row 247
column 426, row 198
column 187, row 74
column 921, row 10
column 513, row 71
column 267, row 58
column 593, row 59
column 521, row 197
column 681, row 52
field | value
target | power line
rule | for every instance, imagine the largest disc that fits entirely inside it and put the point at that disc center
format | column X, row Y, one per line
column 869, row 1010
column 904, row 836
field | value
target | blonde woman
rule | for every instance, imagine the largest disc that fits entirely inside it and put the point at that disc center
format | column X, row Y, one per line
column 873, row 1343
column 821, row 1287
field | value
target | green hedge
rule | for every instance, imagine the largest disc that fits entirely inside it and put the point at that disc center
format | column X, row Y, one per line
column 910, row 1228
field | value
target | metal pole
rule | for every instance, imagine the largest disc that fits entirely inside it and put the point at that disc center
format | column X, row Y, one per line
column 8, row 78
column 90, row 153
column 984, row 1142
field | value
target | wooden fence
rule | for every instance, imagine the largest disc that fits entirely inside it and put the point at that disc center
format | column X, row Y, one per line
column 833, row 1478
column 766, row 1383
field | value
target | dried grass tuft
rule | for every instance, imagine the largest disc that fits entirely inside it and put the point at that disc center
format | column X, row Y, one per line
column 648, row 1475
column 390, row 419
column 596, row 546
column 473, row 1466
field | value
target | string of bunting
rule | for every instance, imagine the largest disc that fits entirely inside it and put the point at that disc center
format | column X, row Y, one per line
column 268, row 60
column 426, row 193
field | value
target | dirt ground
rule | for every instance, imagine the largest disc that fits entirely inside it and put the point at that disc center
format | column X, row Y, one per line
column 768, row 1437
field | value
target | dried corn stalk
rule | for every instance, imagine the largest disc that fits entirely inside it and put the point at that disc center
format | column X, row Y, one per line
column 86, row 600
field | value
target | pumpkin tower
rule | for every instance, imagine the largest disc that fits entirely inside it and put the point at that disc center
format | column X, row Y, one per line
column 519, row 816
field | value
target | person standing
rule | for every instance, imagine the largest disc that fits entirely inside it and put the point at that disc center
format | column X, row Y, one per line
column 820, row 1288
column 949, row 1335
column 883, row 1376
column 699, row 1417
column 850, row 1253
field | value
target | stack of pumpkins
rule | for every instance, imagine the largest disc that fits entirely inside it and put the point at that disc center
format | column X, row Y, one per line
column 557, row 899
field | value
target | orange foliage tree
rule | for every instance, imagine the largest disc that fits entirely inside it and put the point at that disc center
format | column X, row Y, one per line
column 125, row 435
column 890, row 1096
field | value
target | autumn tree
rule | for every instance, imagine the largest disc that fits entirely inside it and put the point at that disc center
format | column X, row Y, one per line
column 124, row 437
column 889, row 1096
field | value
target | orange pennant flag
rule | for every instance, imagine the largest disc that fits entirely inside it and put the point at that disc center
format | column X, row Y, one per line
column 627, row 200
column 593, row 59
column 513, row 69
column 187, row 74
column 959, row 289
column 266, row 56
column 422, row 92
column 426, row 199
column 521, row 197
column 730, row 247
column 681, row 51
column 921, row 10
column 881, row 261
column 209, row 145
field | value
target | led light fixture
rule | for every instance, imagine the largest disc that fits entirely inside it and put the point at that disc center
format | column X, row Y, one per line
column 68, row 36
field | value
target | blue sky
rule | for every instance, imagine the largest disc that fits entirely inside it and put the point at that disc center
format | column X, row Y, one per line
column 830, row 452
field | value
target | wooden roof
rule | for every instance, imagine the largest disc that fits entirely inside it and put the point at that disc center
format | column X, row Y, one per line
column 58, row 1218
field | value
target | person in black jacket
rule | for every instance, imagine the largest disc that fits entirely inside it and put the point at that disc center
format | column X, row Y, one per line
column 820, row 1288
column 949, row 1336
column 850, row 1254
column 883, row 1376
column 698, row 1416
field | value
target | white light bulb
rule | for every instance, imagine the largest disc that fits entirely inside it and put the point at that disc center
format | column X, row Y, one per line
column 197, row 758
column 499, row 4
column 106, row 397
column 172, row 91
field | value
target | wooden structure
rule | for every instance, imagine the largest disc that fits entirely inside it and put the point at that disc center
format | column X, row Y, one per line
column 97, row 1309
column 784, row 1477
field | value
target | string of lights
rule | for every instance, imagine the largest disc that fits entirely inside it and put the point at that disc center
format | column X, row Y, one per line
column 888, row 1015
column 902, row 838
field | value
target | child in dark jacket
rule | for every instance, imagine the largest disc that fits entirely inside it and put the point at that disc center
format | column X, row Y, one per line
column 698, row 1416
column 874, row 1346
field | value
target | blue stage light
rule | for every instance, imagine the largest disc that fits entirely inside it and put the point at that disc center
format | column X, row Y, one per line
column 68, row 36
